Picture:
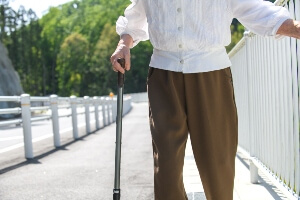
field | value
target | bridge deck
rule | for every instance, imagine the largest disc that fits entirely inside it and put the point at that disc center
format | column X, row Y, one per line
column 85, row 169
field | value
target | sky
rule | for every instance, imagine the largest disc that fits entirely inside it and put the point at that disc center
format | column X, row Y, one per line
column 40, row 7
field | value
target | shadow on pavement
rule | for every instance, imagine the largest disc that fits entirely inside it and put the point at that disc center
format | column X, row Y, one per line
column 263, row 181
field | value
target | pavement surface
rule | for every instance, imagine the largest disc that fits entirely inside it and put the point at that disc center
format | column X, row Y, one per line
column 84, row 168
column 243, row 189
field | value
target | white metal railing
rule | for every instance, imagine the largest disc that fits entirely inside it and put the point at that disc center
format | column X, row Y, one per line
column 266, row 81
column 107, row 106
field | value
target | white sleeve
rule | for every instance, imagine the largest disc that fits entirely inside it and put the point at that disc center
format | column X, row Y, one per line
column 261, row 17
column 134, row 23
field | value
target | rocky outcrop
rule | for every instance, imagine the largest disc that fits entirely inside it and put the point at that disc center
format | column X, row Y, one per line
column 9, row 79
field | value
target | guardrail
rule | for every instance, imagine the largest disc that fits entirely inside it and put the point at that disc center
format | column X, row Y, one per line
column 106, row 105
column 266, row 82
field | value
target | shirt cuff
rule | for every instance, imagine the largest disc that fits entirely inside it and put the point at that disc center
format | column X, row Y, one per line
column 136, row 34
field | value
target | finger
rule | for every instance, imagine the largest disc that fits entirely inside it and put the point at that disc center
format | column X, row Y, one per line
column 127, row 61
column 118, row 68
column 113, row 59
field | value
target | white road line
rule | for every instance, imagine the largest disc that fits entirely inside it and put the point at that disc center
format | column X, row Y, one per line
column 11, row 148
column 11, row 138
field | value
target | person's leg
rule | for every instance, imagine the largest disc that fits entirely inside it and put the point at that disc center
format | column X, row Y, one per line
column 212, row 123
column 168, row 126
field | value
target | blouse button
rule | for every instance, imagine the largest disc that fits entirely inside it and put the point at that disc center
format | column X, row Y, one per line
column 181, row 61
column 178, row 9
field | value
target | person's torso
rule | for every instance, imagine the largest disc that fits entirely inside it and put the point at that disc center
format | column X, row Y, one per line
column 188, row 25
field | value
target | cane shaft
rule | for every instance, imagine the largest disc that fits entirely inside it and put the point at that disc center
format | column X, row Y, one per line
column 121, row 76
column 118, row 138
column 117, row 191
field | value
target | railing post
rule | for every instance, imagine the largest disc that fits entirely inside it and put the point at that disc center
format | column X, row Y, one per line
column 103, row 111
column 26, row 121
column 55, row 121
column 249, row 83
column 96, row 104
column 108, row 102
column 253, row 167
column 253, row 172
column 87, row 114
column 114, row 109
column 73, row 100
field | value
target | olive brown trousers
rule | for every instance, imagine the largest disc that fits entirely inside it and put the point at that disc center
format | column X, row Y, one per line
column 202, row 105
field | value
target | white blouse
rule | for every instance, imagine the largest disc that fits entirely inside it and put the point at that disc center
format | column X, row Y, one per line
column 189, row 35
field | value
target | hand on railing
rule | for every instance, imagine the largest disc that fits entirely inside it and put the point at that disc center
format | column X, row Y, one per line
column 290, row 28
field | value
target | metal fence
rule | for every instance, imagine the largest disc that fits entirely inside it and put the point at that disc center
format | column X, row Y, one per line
column 78, row 106
column 266, row 82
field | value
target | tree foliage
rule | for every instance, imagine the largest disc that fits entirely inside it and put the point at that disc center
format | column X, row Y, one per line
column 72, row 65
column 237, row 32
column 67, row 51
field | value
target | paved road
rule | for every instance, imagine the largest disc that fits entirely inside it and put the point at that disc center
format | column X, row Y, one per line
column 84, row 169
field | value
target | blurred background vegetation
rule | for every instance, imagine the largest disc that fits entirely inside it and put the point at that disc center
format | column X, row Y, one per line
column 67, row 51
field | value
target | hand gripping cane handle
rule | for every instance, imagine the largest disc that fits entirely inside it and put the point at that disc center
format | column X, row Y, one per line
column 121, row 61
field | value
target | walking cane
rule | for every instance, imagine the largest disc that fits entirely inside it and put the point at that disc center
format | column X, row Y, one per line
column 117, row 190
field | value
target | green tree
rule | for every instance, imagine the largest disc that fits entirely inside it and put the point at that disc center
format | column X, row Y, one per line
column 72, row 65
column 140, row 59
column 22, row 40
column 52, row 36
column 237, row 32
column 8, row 22
column 102, row 76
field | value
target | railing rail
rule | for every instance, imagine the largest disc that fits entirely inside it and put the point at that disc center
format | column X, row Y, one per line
column 105, row 105
column 11, row 98
column 10, row 111
column 266, row 80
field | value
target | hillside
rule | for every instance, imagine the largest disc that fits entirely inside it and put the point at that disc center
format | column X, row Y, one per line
column 9, row 81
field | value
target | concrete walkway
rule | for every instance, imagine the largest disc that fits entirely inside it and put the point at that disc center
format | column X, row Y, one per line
column 84, row 169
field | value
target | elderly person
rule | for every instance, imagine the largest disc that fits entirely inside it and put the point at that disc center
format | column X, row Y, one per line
column 190, row 84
